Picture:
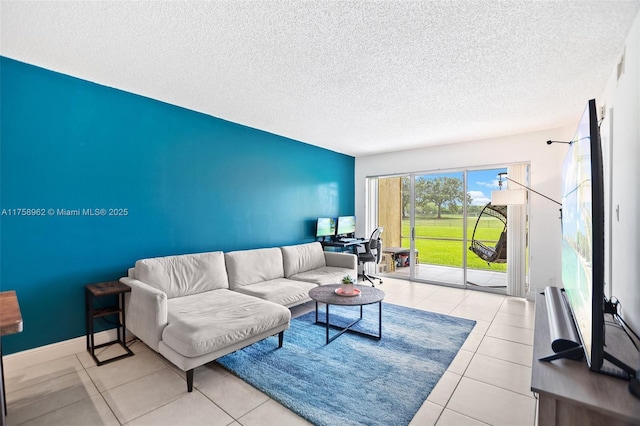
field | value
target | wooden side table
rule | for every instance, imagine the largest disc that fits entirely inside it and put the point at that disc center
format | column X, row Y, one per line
column 109, row 288
column 10, row 322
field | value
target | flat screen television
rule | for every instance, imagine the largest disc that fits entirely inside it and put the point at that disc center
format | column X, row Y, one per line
column 326, row 227
column 583, row 235
column 346, row 226
column 583, row 257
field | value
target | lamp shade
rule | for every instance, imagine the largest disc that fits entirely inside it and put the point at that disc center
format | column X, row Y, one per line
column 509, row 197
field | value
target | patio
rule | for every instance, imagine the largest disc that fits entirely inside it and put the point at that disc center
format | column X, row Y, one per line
column 439, row 274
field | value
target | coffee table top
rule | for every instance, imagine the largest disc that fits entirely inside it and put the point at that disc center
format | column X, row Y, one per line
column 327, row 294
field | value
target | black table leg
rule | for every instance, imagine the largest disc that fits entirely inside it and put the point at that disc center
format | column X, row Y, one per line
column 348, row 328
column 327, row 321
column 380, row 320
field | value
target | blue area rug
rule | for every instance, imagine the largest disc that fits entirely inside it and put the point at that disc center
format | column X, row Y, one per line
column 354, row 380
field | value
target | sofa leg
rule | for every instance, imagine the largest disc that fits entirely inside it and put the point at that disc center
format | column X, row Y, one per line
column 190, row 380
column 280, row 339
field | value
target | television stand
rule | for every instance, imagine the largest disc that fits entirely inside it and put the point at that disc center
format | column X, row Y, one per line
column 569, row 393
column 576, row 353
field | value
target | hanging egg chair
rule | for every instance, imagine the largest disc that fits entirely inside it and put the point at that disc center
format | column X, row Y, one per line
column 497, row 254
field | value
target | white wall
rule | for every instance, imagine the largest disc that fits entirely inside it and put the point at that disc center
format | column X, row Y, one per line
column 545, row 173
column 621, row 140
column 621, row 101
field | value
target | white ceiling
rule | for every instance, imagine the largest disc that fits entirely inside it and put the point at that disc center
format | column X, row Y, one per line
column 356, row 77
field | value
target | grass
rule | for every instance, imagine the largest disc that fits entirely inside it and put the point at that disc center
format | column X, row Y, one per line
column 439, row 241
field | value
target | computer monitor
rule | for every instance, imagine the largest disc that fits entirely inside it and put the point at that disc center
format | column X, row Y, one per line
column 346, row 226
column 326, row 227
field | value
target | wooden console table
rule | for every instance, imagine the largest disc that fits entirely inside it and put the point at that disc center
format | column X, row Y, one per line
column 10, row 322
column 570, row 394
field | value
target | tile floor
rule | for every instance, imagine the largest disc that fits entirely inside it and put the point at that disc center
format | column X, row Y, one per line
column 487, row 383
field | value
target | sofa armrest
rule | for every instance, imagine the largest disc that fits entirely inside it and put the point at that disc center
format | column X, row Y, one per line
column 147, row 311
column 341, row 260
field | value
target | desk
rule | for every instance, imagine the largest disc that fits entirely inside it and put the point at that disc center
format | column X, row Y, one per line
column 10, row 322
column 343, row 245
column 571, row 394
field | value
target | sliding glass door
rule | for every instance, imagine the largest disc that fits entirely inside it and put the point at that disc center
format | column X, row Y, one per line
column 485, row 226
column 422, row 216
column 430, row 221
column 394, row 215
column 438, row 228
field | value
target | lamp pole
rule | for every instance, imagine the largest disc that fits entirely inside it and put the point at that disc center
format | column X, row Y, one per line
column 504, row 175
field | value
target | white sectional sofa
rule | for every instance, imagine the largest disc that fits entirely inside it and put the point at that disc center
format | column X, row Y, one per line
column 194, row 308
column 285, row 275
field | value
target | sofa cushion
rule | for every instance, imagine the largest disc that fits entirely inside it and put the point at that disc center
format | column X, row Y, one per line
column 282, row 291
column 205, row 322
column 246, row 267
column 323, row 276
column 302, row 258
column 184, row 274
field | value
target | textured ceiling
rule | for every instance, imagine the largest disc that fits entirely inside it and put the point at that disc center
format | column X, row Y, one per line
column 356, row 77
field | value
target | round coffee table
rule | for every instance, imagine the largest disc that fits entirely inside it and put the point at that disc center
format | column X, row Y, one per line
column 327, row 294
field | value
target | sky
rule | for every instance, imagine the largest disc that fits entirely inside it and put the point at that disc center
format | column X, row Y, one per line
column 481, row 183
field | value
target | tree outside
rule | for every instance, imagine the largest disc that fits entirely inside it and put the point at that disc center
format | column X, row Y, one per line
column 434, row 196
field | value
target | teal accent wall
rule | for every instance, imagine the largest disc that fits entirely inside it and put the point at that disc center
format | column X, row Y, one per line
column 189, row 183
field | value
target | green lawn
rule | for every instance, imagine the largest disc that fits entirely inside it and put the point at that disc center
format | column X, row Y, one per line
column 439, row 241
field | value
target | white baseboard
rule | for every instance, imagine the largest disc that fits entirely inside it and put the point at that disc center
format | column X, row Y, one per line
column 24, row 359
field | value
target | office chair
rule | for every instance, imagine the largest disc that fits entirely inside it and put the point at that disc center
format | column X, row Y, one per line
column 372, row 254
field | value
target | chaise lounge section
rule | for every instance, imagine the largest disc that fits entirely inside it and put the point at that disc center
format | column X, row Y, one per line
column 181, row 307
